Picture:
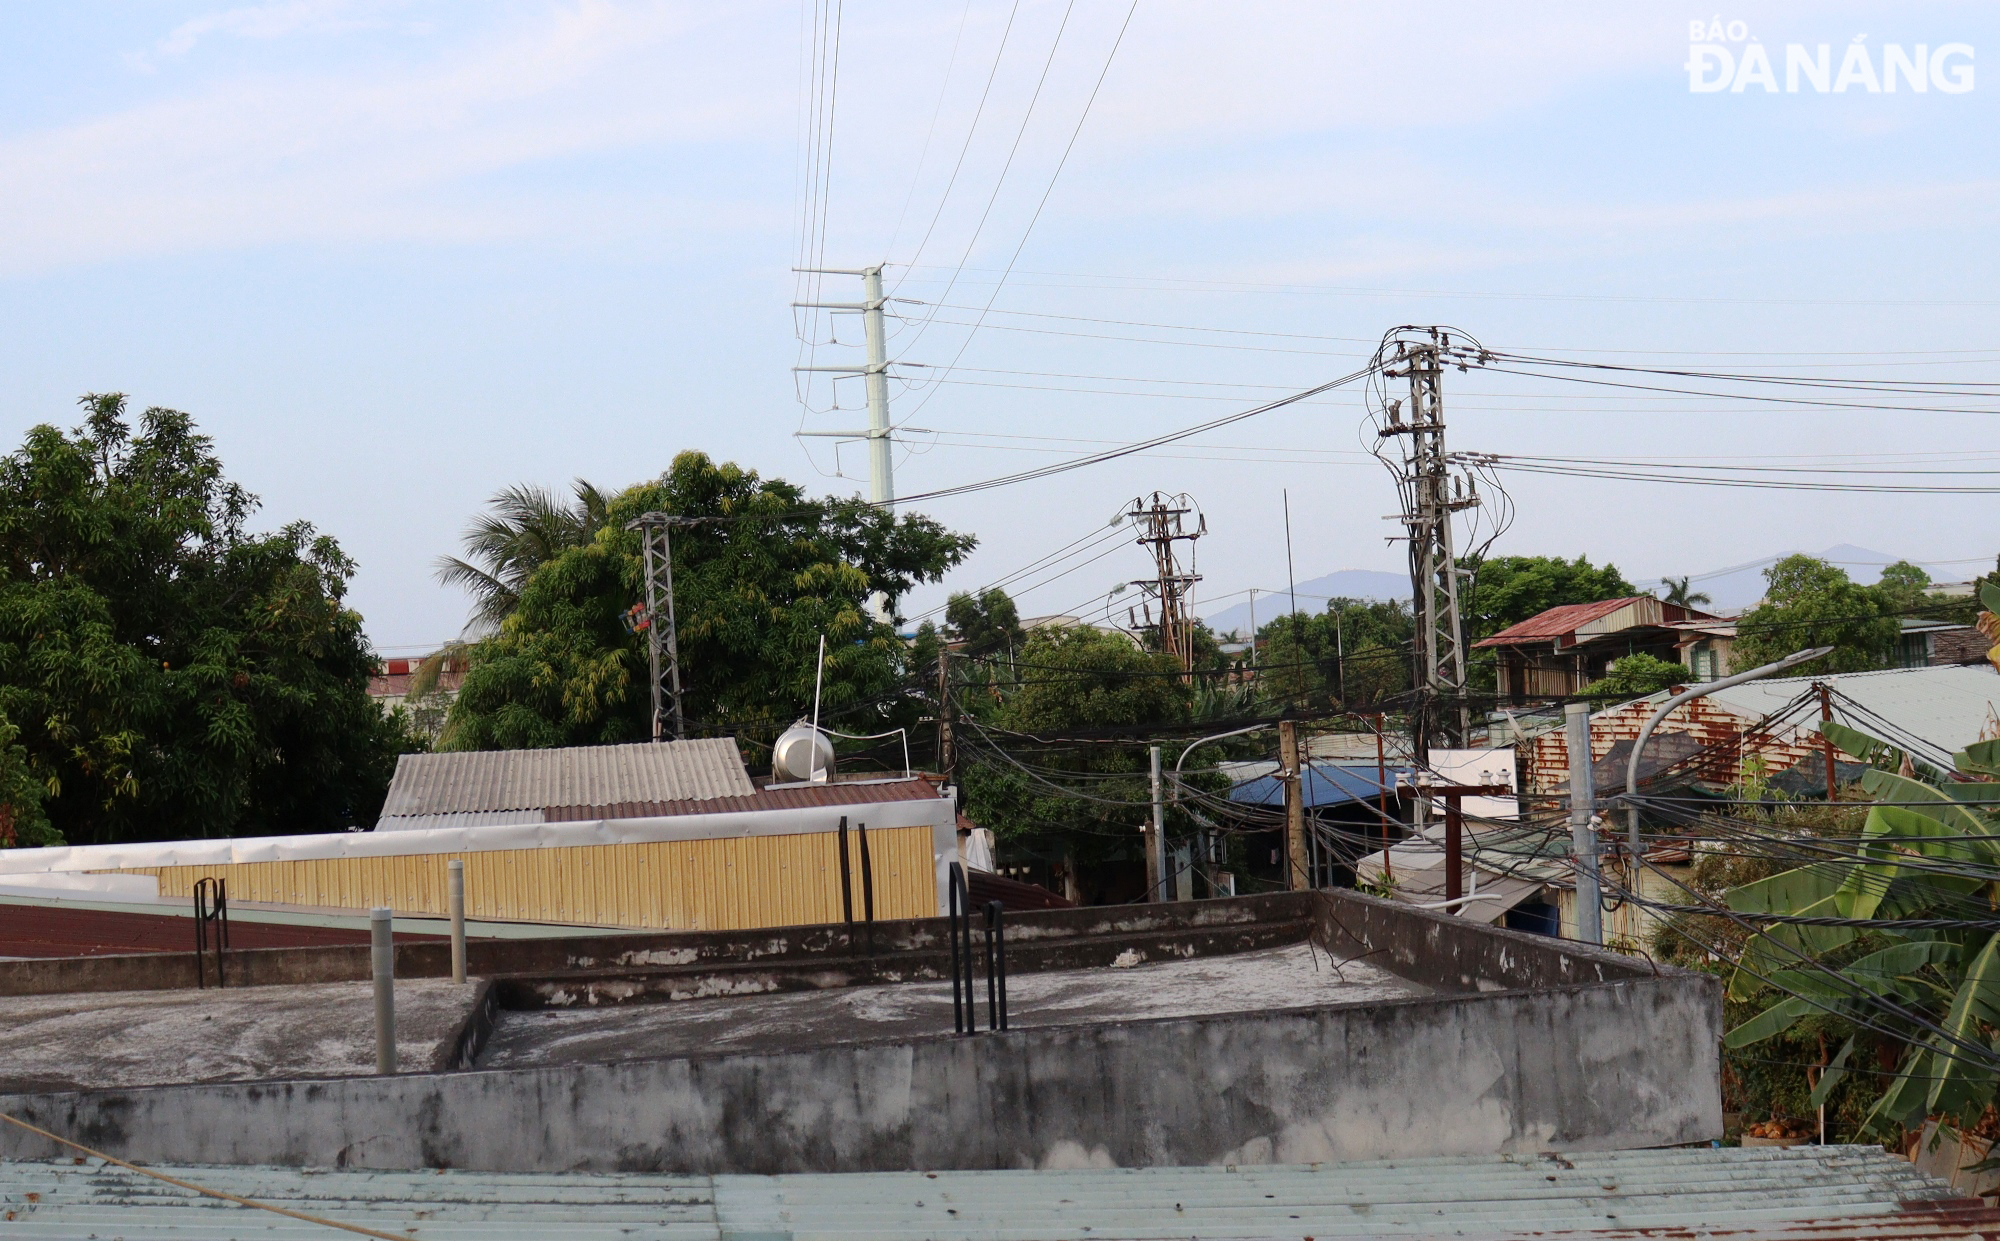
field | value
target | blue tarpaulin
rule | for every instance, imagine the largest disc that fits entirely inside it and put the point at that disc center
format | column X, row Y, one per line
column 1325, row 784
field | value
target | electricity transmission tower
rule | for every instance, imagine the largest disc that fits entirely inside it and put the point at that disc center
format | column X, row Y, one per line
column 662, row 641
column 875, row 372
column 1162, row 524
column 1430, row 495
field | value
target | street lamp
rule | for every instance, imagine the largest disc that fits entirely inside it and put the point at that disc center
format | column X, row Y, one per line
column 1639, row 746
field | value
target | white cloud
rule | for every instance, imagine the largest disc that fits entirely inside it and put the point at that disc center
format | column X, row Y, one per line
column 273, row 21
column 399, row 154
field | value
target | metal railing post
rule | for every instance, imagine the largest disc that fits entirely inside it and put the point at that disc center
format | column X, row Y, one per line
column 382, row 958
column 953, row 883
column 455, row 873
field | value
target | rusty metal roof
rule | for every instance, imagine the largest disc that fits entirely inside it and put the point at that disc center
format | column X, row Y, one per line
column 1569, row 618
column 1805, row 1193
column 504, row 780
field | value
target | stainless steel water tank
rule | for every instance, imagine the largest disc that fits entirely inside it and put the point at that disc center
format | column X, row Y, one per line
column 801, row 752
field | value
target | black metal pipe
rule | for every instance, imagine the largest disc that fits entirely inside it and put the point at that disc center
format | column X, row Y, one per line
column 995, row 910
column 846, row 880
column 952, row 885
column 867, row 875
column 992, row 977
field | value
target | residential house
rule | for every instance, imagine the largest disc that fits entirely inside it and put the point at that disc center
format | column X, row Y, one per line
column 1556, row 653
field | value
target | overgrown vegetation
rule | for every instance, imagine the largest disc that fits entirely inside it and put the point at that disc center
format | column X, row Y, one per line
column 164, row 672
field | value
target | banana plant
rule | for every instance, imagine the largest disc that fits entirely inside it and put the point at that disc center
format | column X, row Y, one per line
column 1928, row 852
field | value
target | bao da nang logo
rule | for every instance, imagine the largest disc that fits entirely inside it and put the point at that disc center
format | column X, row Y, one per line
column 1722, row 56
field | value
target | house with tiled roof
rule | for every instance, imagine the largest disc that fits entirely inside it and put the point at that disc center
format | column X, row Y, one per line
column 1558, row 652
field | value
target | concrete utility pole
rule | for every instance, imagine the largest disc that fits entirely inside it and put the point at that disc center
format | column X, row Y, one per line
column 1430, row 496
column 662, row 639
column 1156, row 839
column 875, row 374
column 947, row 755
column 1293, row 775
column 1582, row 833
column 1160, row 519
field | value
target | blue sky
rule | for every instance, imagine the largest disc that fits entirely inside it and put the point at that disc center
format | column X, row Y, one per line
column 394, row 256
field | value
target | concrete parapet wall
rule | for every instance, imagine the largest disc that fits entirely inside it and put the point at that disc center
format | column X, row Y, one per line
column 1546, row 1047
column 592, row 951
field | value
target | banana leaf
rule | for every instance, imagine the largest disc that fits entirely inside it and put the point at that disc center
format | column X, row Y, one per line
column 1928, row 800
column 1859, row 744
column 1980, row 756
column 1830, row 1077
column 1891, row 834
column 1770, row 1023
column 1965, row 1076
column 1786, row 891
column 1903, row 1103
column 1881, row 972
column 1783, row 946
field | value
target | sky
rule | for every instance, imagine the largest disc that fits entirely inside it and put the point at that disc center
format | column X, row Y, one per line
column 396, row 256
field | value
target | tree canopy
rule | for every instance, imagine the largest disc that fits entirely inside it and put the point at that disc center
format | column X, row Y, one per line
column 1808, row 603
column 1357, row 653
column 163, row 672
column 1636, row 675
column 526, row 527
column 1505, row 590
column 757, row 582
column 1072, row 678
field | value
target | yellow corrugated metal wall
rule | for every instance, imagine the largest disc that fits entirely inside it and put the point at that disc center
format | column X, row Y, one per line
column 714, row 885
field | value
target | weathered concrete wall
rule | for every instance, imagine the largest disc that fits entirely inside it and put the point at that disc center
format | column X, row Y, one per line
column 1451, row 954
column 661, row 952
column 1627, row 1063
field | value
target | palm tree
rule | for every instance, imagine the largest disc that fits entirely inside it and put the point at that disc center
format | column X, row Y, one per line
column 1678, row 592
column 527, row 527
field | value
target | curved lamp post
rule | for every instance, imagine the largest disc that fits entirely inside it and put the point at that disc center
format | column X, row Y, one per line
column 1639, row 746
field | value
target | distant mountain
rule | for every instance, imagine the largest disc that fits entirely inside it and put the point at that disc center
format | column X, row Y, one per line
column 1740, row 586
column 1346, row 584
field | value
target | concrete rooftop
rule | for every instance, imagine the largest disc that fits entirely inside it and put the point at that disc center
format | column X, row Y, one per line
column 112, row 1039
column 1295, row 976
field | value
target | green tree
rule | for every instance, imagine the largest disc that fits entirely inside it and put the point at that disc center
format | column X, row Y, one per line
column 1679, row 594
column 166, row 673
column 1357, row 646
column 984, row 624
column 1082, row 804
column 1904, row 588
column 1636, row 676
column 524, row 529
column 1505, row 590
column 756, row 586
column 22, row 820
column 1808, row 603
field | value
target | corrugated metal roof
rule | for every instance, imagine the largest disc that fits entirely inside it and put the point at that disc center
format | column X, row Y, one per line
column 484, row 780
column 1570, row 618
column 1949, row 707
column 792, row 797
column 1557, row 621
column 1825, row 1193
column 1749, row 1193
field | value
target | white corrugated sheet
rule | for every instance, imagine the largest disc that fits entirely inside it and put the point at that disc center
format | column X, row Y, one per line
column 603, row 775
column 1819, row 1192
column 1949, row 706
column 925, row 812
